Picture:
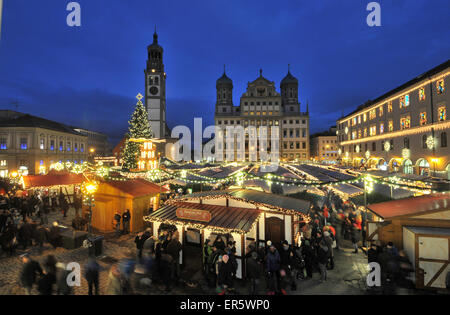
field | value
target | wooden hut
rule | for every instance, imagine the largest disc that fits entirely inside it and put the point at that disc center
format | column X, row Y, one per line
column 242, row 215
column 420, row 226
column 137, row 195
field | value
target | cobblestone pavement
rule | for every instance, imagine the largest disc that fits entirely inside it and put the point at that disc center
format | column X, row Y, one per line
column 348, row 276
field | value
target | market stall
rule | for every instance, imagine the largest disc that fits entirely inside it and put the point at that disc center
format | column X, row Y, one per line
column 245, row 216
column 137, row 195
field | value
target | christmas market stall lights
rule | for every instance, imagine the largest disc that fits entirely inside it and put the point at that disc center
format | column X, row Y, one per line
column 243, row 215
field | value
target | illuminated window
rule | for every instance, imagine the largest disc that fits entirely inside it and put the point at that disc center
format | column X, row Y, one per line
column 23, row 143
column 359, row 119
column 52, row 145
column 442, row 113
column 75, row 147
column 61, row 146
column 391, row 126
column 373, row 130
column 373, row 114
column 389, row 106
column 42, row 144
column 404, row 101
column 3, row 143
column 381, row 111
column 365, row 117
column 359, row 134
column 354, row 121
column 381, row 128
column 68, row 146
column 423, row 118
column 405, row 123
column 422, row 94
column 440, row 87
column 365, row 132
column 353, row 135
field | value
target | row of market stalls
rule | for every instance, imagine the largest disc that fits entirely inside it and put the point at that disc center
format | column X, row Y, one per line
column 112, row 195
column 242, row 215
column 420, row 226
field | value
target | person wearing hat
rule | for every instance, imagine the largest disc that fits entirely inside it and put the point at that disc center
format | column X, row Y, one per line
column 273, row 268
column 225, row 275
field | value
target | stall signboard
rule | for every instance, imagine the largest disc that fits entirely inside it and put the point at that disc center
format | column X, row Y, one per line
column 194, row 214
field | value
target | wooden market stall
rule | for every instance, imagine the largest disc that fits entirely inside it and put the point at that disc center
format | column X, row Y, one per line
column 429, row 250
column 424, row 211
column 245, row 216
column 420, row 226
column 137, row 195
column 57, row 181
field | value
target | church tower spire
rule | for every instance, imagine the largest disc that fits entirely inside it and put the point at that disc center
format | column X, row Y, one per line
column 155, row 89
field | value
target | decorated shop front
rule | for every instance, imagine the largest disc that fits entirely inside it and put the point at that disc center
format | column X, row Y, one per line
column 240, row 215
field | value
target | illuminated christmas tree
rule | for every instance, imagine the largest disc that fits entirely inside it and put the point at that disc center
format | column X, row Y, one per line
column 139, row 128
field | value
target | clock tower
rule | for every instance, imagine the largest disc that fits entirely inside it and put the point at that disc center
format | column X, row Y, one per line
column 155, row 89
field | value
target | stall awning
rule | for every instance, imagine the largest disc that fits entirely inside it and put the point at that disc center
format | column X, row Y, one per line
column 224, row 219
column 50, row 180
column 411, row 206
column 137, row 187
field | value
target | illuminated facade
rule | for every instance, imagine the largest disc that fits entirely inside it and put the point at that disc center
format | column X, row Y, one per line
column 30, row 144
column 404, row 130
column 148, row 159
column 262, row 106
column 324, row 147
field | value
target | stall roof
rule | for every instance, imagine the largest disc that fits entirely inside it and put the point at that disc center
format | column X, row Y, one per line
column 411, row 206
column 137, row 187
column 229, row 219
column 258, row 197
column 34, row 181
column 428, row 230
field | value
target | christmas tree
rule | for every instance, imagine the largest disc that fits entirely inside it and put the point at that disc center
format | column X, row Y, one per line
column 139, row 128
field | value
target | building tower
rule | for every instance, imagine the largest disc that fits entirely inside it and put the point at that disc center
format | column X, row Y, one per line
column 289, row 94
column 224, row 103
column 155, row 89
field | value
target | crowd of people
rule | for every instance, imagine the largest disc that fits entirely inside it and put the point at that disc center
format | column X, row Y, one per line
column 24, row 220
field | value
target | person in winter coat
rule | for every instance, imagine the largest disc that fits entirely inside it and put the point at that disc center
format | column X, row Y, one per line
column 372, row 254
column 114, row 282
column 126, row 218
column 273, row 268
column 225, row 274
column 173, row 249
column 92, row 274
column 30, row 271
column 62, row 274
column 117, row 218
column 140, row 240
column 356, row 232
column 327, row 237
column 253, row 272
column 323, row 254
column 206, row 252
column 46, row 283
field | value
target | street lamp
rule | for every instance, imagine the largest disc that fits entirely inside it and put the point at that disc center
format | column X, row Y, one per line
column 89, row 189
column 435, row 161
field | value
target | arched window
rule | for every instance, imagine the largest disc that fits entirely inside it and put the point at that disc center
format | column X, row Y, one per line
column 156, row 81
column 408, row 167
column 424, row 141
column 443, row 140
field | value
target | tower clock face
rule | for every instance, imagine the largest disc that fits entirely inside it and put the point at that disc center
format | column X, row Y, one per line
column 154, row 90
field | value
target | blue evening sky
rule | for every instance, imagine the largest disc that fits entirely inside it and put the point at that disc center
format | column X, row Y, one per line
column 89, row 76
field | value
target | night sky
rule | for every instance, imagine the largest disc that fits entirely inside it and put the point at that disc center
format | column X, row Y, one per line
column 89, row 76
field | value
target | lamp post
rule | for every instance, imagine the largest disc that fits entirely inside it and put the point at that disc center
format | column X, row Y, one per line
column 90, row 189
